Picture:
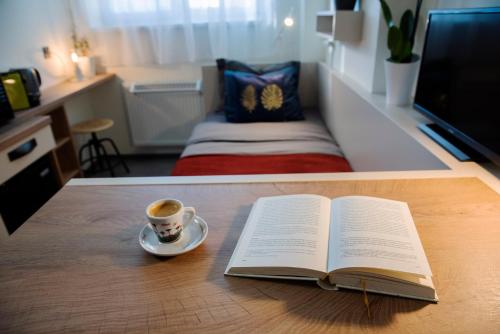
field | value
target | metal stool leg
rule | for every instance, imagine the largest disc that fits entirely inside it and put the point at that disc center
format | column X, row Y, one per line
column 91, row 158
column 80, row 153
column 117, row 152
column 106, row 159
column 96, row 144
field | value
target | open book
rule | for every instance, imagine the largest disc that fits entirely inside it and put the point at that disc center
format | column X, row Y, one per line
column 355, row 242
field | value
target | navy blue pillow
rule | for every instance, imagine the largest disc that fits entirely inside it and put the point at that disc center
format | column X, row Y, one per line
column 235, row 65
column 230, row 65
column 268, row 97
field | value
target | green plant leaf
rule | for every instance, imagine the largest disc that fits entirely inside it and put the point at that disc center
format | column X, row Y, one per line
column 406, row 24
column 415, row 25
column 406, row 55
column 395, row 42
column 387, row 13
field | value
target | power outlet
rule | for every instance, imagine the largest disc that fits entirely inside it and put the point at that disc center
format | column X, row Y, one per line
column 46, row 52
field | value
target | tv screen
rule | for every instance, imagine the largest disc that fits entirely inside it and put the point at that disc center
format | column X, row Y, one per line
column 459, row 81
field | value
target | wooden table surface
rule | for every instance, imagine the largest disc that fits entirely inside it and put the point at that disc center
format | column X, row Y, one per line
column 57, row 95
column 77, row 266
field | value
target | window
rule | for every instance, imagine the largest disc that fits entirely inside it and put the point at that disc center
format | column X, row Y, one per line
column 136, row 32
column 113, row 13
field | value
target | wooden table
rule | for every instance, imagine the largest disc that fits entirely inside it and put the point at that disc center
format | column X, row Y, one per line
column 77, row 265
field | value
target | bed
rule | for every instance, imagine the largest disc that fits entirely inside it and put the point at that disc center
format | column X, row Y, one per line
column 220, row 148
column 217, row 147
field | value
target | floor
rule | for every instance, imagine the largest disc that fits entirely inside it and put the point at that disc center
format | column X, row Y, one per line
column 140, row 165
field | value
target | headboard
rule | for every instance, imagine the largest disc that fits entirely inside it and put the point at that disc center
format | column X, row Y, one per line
column 308, row 86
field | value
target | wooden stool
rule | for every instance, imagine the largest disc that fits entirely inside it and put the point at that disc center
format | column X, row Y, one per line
column 95, row 144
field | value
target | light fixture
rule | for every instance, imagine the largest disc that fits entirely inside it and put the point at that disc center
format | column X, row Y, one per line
column 74, row 57
column 288, row 21
column 78, row 71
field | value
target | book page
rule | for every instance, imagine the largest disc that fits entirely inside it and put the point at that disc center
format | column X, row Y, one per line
column 285, row 231
column 370, row 232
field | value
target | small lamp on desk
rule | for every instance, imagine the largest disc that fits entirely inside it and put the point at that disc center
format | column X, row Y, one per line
column 78, row 71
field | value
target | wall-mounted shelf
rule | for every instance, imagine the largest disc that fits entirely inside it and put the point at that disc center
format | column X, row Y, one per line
column 341, row 25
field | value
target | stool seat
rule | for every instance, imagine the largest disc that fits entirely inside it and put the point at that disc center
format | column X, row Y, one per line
column 92, row 125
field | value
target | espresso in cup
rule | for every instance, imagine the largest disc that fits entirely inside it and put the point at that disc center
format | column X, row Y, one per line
column 168, row 217
column 165, row 209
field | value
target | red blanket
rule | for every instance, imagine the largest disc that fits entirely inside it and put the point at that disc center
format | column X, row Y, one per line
column 260, row 164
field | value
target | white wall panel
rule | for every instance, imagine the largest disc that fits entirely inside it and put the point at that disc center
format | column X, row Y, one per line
column 370, row 140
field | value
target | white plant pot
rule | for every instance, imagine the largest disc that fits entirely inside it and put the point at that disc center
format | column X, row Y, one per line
column 399, row 79
column 87, row 66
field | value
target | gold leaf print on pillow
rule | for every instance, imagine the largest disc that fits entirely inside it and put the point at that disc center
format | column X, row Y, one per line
column 248, row 98
column 272, row 97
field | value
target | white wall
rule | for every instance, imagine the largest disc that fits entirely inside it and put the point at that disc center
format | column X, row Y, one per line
column 25, row 27
column 372, row 137
column 156, row 73
column 312, row 49
column 359, row 59
column 363, row 62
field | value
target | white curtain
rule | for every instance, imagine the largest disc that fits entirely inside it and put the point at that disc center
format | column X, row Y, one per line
column 133, row 32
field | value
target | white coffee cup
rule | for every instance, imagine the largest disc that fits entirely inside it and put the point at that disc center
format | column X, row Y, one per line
column 168, row 217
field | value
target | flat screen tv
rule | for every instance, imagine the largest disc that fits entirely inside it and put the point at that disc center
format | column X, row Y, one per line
column 458, row 85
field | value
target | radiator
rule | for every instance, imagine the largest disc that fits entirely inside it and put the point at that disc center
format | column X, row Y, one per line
column 163, row 114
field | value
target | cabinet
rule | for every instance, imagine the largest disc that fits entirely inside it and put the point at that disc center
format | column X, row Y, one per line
column 25, row 193
column 341, row 25
column 28, row 175
column 37, row 157
column 64, row 158
column 21, row 144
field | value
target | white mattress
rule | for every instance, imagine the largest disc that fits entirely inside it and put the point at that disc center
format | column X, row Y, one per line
column 216, row 136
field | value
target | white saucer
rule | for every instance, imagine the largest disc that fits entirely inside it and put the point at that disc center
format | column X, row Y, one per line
column 191, row 237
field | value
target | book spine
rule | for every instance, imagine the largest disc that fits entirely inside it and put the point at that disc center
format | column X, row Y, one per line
column 326, row 285
column 434, row 300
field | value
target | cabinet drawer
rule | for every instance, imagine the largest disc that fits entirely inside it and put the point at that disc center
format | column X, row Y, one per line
column 21, row 154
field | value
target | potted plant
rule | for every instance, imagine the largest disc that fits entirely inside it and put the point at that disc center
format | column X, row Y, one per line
column 401, row 67
column 345, row 4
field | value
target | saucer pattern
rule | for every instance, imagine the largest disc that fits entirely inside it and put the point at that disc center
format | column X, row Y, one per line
column 188, row 239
